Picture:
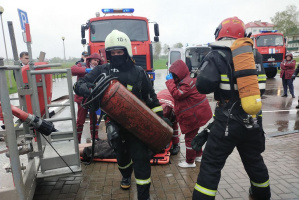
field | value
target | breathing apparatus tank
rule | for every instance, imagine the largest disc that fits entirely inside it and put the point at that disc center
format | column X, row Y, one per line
column 246, row 76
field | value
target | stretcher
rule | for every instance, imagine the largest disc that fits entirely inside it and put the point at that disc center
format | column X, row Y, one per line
column 161, row 158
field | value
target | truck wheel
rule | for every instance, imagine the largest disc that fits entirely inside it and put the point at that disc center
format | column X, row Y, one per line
column 271, row 72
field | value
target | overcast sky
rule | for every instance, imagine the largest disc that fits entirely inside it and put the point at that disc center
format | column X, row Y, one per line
column 188, row 21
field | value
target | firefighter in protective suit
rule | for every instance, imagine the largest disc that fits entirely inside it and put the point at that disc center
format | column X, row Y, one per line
column 237, row 80
column 131, row 152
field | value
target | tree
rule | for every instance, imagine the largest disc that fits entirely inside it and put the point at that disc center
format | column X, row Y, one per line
column 178, row 45
column 287, row 20
column 165, row 49
column 157, row 50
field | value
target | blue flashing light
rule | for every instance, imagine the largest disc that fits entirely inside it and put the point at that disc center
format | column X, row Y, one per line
column 122, row 10
column 107, row 10
column 128, row 10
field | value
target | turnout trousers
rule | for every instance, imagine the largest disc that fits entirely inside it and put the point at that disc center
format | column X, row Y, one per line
column 132, row 153
column 249, row 143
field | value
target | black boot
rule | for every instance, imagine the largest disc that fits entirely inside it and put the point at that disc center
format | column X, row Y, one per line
column 252, row 196
column 175, row 149
column 125, row 183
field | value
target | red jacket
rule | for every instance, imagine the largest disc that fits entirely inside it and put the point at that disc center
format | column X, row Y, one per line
column 191, row 108
column 167, row 103
column 79, row 71
column 287, row 68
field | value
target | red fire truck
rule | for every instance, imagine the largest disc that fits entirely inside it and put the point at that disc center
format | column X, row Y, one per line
column 137, row 29
column 272, row 46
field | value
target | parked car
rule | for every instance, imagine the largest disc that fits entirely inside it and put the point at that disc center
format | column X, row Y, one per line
column 296, row 54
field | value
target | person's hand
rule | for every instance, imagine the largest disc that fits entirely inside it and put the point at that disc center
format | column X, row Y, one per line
column 87, row 70
column 169, row 76
column 293, row 76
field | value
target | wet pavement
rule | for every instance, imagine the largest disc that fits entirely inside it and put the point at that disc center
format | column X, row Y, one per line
column 280, row 117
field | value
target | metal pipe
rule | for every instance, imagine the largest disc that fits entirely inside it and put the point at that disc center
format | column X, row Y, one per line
column 71, row 97
column 11, row 137
column 48, row 65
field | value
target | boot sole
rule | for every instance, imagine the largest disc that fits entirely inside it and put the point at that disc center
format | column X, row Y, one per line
column 125, row 187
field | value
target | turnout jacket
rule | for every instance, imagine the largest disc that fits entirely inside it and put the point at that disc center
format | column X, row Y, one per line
column 134, row 78
column 192, row 109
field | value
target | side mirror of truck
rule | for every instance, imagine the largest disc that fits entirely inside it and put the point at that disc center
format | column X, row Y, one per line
column 83, row 41
column 82, row 31
column 156, row 29
column 156, row 39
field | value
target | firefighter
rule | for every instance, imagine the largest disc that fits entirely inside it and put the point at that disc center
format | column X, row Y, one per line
column 167, row 103
column 80, row 70
column 192, row 109
column 222, row 73
column 131, row 152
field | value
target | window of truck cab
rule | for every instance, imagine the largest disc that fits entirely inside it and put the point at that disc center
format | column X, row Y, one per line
column 136, row 30
column 269, row 40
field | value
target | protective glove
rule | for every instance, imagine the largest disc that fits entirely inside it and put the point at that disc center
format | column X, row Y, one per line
column 87, row 70
column 200, row 139
column 169, row 76
column 167, row 121
column 83, row 88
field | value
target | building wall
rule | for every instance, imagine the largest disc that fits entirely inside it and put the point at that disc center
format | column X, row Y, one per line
column 293, row 43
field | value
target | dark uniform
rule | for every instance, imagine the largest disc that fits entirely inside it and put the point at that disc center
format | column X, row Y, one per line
column 130, row 151
column 232, row 127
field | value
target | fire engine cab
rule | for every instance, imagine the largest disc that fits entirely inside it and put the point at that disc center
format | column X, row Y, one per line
column 272, row 46
column 137, row 29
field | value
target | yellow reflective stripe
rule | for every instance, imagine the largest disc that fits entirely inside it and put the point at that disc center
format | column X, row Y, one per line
column 261, row 185
column 157, row 109
column 205, row 190
column 224, row 77
column 262, row 77
column 143, row 181
column 129, row 87
column 128, row 165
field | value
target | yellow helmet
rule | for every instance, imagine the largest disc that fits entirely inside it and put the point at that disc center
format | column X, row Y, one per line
column 118, row 40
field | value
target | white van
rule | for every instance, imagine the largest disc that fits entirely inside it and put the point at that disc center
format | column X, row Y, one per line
column 192, row 56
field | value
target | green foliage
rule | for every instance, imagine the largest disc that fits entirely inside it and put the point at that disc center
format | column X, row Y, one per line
column 160, row 63
column 157, row 50
column 166, row 49
column 12, row 89
column 287, row 20
column 178, row 45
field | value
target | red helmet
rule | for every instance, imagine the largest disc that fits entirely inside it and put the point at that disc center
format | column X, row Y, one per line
column 231, row 27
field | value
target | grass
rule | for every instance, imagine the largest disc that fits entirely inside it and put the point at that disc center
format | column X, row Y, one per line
column 160, row 64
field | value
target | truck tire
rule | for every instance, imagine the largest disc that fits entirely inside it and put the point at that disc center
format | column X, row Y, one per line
column 271, row 72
